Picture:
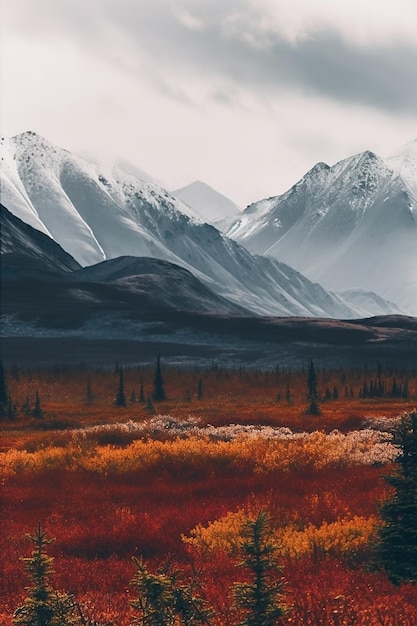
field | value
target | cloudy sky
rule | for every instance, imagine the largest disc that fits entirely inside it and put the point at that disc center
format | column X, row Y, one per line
column 244, row 94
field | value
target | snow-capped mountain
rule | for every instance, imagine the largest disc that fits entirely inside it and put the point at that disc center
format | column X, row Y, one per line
column 213, row 207
column 97, row 215
column 349, row 226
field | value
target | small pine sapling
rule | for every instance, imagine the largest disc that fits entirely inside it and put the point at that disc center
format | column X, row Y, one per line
column 164, row 600
column 261, row 599
column 43, row 606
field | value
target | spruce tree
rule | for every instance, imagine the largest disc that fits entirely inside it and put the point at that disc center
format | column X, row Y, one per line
column 37, row 411
column 163, row 600
column 158, row 383
column 149, row 403
column 43, row 606
column 26, row 406
column 200, row 389
column 120, row 397
column 396, row 547
column 262, row 597
column 11, row 409
column 288, row 394
column 142, row 397
column 313, row 408
column 89, row 392
column 311, row 382
column 154, row 597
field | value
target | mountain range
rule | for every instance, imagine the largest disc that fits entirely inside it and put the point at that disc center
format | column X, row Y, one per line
column 102, row 264
column 349, row 226
column 130, row 308
column 97, row 215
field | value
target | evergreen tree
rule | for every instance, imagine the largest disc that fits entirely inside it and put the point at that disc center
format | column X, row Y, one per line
column 311, row 382
column 89, row 392
column 37, row 411
column 158, row 383
column 164, row 601
column 200, row 389
column 11, row 409
column 396, row 548
column 142, row 398
column 313, row 408
column 132, row 397
column 261, row 598
column 121, row 398
column 149, row 403
column 44, row 606
column 155, row 598
column 26, row 406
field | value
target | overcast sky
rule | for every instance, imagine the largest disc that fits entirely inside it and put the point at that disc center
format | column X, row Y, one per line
column 245, row 95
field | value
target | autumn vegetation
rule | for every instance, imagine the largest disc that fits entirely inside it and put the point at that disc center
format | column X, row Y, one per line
column 156, row 478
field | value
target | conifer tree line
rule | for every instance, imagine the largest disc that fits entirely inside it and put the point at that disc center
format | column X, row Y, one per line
column 360, row 383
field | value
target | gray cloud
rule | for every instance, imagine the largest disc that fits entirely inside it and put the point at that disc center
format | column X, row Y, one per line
column 232, row 45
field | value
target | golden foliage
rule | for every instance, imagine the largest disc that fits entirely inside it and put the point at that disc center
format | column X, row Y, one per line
column 346, row 536
column 262, row 453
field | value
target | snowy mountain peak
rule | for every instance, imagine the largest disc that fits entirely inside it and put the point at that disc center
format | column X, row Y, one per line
column 407, row 151
column 78, row 203
column 318, row 167
column 404, row 163
column 349, row 226
column 210, row 204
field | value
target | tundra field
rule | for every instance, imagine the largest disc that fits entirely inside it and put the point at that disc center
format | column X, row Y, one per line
column 179, row 478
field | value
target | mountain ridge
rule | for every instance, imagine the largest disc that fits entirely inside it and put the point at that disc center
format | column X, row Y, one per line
column 349, row 226
column 96, row 215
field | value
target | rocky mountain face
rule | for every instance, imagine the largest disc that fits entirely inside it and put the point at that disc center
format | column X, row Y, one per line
column 352, row 226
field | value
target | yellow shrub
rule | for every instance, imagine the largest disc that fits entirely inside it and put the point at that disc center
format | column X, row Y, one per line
column 341, row 538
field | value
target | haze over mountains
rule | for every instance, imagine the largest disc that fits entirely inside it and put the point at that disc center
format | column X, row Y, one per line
column 212, row 206
column 97, row 215
column 349, row 226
